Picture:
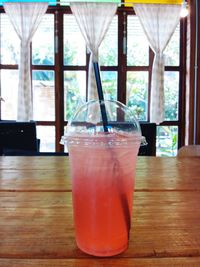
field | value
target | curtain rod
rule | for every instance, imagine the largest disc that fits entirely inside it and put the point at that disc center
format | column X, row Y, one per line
column 177, row 2
column 128, row 3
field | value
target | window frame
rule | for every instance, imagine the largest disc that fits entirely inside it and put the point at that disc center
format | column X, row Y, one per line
column 121, row 68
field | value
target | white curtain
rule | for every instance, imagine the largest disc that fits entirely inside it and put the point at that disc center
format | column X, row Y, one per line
column 93, row 20
column 25, row 18
column 159, row 23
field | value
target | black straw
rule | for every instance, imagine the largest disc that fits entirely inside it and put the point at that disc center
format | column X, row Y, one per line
column 101, row 97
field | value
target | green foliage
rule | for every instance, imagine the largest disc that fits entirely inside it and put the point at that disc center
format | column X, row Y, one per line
column 69, row 54
column 174, row 141
column 109, row 84
column 39, row 58
column 137, row 93
column 167, row 137
column 137, row 56
column 172, row 50
column 171, row 89
column 73, row 96
column 108, row 57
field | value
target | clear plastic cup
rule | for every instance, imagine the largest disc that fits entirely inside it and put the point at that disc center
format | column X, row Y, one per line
column 102, row 168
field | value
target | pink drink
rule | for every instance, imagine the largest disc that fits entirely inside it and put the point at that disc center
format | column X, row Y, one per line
column 102, row 190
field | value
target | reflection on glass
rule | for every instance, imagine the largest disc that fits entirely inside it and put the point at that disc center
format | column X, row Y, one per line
column 10, row 42
column 171, row 91
column 137, row 93
column 172, row 50
column 137, row 44
column 166, row 140
column 43, row 42
column 109, row 84
column 9, row 92
column 74, row 44
column 43, row 95
column 108, row 48
column 46, row 134
column 74, row 91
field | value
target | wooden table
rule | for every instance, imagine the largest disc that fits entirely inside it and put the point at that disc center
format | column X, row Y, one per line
column 36, row 227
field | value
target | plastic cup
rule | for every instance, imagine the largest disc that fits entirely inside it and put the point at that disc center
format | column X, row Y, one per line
column 102, row 168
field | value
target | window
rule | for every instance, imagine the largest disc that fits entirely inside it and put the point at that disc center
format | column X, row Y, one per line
column 60, row 69
column 43, row 82
column 108, row 59
column 8, row 74
column 75, row 67
column 139, row 65
column 137, row 46
column 74, row 44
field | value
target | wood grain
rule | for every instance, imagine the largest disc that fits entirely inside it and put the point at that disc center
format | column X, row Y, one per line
column 33, row 163
column 38, row 180
column 164, row 224
column 36, row 217
column 53, row 174
column 155, row 262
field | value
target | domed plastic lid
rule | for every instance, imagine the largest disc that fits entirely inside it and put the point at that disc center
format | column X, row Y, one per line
column 88, row 121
